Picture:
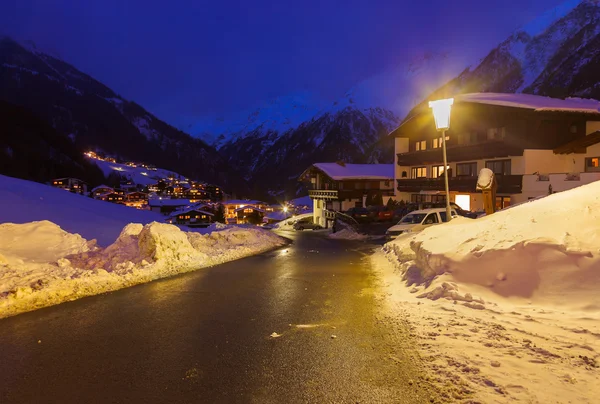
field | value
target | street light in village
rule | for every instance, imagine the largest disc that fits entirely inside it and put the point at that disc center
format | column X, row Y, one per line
column 441, row 115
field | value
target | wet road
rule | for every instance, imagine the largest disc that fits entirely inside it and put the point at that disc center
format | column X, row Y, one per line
column 205, row 337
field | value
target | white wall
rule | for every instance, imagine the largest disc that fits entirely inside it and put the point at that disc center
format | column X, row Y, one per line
column 591, row 127
column 319, row 212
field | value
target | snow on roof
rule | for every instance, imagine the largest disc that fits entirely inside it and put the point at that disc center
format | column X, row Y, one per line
column 535, row 102
column 357, row 171
column 192, row 209
column 243, row 202
column 101, row 187
column 168, row 202
column 249, row 207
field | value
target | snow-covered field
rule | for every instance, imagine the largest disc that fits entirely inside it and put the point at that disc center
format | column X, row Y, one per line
column 49, row 253
column 26, row 201
column 506, row 307
column 139, row 175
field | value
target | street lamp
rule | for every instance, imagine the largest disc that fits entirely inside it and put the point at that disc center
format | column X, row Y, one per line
column 441, row 115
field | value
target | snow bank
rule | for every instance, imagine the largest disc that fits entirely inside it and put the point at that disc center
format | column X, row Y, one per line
column 58, row 266
column 27, row 201
column 39, row 241
column 348, row 234
column 288, row 224
column 506, row 308
column 546, row 251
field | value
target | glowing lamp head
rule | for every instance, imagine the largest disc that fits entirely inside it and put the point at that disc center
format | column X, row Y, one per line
column 441, row 113
column 285, row 209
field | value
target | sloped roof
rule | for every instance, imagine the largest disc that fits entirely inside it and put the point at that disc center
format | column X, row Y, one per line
column 102, row 187
column 535, row 102
column 249, row 207
column 340, row 172
column 168, row 202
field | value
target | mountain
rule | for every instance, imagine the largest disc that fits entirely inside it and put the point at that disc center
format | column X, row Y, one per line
column 557, row 55
column 94, row 117
column 275, row 142
column 273, row 161
column 33, row 150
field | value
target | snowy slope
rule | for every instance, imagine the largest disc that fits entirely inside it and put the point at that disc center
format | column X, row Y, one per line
column 277, row 115
column 26, row 201
column 138, row 175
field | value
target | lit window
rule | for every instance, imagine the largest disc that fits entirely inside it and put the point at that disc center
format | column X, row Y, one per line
column 437, row 171
column 419, row 172
column 592, row 164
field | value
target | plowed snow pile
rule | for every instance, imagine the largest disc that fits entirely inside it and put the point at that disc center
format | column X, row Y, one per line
column 41, row 265
column 507, row 306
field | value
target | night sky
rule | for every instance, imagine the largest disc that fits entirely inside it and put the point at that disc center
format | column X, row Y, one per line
column 192, row 57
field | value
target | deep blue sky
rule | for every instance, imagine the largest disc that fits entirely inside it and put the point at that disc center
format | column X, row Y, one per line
column 194, row 57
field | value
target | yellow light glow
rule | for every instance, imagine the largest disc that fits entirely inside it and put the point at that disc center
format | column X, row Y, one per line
column 285, row 209
column 464, row 201
column 441, row 113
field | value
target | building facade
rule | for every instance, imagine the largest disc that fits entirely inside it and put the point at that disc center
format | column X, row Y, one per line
column 339, row 187
column 534, row 145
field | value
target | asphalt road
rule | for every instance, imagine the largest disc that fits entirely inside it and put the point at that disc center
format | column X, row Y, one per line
column 206, row 337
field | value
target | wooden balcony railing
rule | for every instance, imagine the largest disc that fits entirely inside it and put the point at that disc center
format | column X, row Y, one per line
column 507, row 184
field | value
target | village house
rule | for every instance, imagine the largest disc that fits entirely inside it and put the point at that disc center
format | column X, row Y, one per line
column 231, row 215
column 136, row 199
column 192, row 217
column 339, row 187
column 74, row 185
column 114, row 198
column 100, row 191
column 249, row 214
column 166, row 205
column 534, row 145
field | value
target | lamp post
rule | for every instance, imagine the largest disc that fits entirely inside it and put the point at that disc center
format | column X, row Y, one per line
column 441, row 115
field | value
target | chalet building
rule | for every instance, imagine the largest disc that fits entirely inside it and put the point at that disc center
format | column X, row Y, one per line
column 232, row 206
column 167, row 206
column 100, row 191
column 339, row 187
column 215, row 193
column 114, row 198
column 243, row 214
column 535, row 146
column 136, row 199
column 193, row 217
column 74, row 185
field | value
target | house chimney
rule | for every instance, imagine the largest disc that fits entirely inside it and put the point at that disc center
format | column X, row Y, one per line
column 341, row 163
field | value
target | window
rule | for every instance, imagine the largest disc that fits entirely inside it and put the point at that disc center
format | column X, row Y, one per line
column 417, row 198
column 421, row 145
column 496, row 133
column 438, row 198
column 437, row 171
column 499, row 167
column 592, row 164
column 431, row 219
column 573, row 129
column 466, row 169
column 502, row 202
column 419, row 172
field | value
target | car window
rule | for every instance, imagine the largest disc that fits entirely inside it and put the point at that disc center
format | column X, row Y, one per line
column 431, row 219
column 443, row 215
column 413, row 218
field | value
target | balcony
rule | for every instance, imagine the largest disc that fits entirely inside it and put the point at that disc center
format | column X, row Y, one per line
column 507, row 184
column 327, row 194
column 334, row 194
column 478, row 151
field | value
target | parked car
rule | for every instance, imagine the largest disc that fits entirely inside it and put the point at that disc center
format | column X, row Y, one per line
column 418, row 220
column 380, row 213
column 359, row 214
column 306, row 223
